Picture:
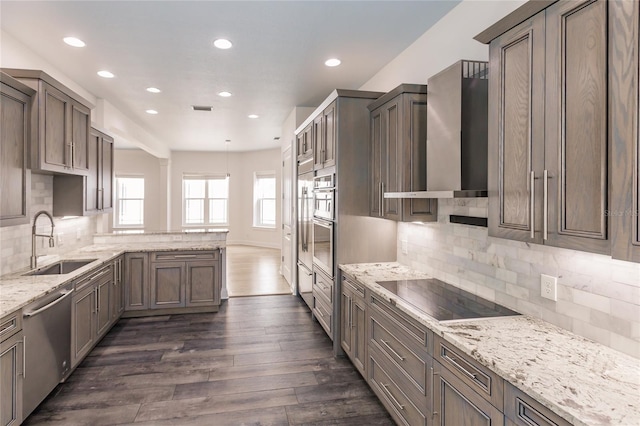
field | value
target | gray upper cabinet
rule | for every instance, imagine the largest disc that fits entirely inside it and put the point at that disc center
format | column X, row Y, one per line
column 324, row 138
column 625, row 156
column 548, row 128
column 304, row 143
column 15, row 110
column 398, row 131
column 90, row 194
column 60, row 125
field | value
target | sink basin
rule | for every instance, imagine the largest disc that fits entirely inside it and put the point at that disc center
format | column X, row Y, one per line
column 61, row 268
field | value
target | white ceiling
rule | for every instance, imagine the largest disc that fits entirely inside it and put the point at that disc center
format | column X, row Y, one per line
column 276, row 63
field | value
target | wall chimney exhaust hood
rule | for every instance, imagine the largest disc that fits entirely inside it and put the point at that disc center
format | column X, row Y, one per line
column 457, row 103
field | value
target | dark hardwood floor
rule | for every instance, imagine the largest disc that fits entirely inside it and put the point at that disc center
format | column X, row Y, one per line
column 259, row 361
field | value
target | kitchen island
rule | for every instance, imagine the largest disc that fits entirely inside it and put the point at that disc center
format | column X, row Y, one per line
column 580, row 381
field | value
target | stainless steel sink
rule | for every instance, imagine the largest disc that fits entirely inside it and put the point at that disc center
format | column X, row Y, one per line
column 62, row 267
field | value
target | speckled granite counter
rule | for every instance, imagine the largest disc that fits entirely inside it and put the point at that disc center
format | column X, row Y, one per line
column 584, row 382
column 17, row 291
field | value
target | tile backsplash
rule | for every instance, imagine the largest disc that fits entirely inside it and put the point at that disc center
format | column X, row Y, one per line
column 598, row 297
column 70, row 234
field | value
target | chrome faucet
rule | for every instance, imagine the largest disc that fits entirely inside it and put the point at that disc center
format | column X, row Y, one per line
column 34, row 258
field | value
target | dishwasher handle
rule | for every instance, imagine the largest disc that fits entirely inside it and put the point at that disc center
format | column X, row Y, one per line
column 63, row 296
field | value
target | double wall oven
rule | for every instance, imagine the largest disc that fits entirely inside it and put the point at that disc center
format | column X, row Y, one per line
column 323, row 222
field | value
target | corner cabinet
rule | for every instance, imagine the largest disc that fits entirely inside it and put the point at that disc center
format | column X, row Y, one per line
column 15, row 106
column 398, row 131
column 625, row 150
column 549, row 122
column 60, row 125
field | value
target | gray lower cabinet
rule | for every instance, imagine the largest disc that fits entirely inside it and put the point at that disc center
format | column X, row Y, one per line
column 203, row 283
column 353, row 322
column 90, row 311
column 167, row 285
column 454, row 403
column 117, row 291
column 323, row 301
column 522, row 410
column 136, row 281
column 11, row 369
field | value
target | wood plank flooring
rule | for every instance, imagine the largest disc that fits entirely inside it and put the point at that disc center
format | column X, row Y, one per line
column 259, row 361
column 253, row 271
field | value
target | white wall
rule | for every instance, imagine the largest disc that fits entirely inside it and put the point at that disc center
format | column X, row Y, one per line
column 598, row 298
column 136, row 162
column 241, row 166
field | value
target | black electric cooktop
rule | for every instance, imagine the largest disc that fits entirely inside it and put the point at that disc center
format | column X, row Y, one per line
column 443, row 301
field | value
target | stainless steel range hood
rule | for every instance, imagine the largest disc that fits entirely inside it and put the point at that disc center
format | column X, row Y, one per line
column 457, row 123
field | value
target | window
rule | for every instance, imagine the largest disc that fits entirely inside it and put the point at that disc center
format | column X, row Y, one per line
column 264, row 199
column 129, row 202
column 205, row 200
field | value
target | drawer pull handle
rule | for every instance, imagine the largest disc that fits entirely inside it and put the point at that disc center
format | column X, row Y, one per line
column 320, row 312
column 185, row 256
column 455, row 362
column 433, row 379
column 400, row 357
column 390, row 395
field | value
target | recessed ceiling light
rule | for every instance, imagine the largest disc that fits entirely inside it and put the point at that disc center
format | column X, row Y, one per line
column 151, row 111
column 75, row 42
column 222, row 43
column 333, row 62
column 106, row 74
column 153, row 90
column 224, row 94
column 253, row 116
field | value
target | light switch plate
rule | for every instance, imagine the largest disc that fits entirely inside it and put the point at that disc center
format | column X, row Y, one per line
column 404, row 246
column 549, row 287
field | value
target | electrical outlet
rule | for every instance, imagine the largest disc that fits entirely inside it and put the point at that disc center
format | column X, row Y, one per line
column 176, row 238
column 549, row 287
column 404, row 246
column 60, row 238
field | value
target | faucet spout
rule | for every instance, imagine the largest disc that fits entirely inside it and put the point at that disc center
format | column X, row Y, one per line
column 34, row 234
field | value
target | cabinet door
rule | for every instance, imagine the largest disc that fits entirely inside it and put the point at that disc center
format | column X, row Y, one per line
column 117, row 291
column 576, row 120
column 203, row 283
column 80, row 128
column 329, row 135
column 317, row 138
column 136, row 281
column 14, row 174
column 11, row 378
column 54, row 137
column 516, row 131
column 82, row 323
column 359, row 334
column 625, row 158
column 103, row 304
column 375, row 196
column 91, row 196
column 167, row 285
column 345, row 322
column 391, row 147
column 106, row 174
column 415, row 160
column 454, row 403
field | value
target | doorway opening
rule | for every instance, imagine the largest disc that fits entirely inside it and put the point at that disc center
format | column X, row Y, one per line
column 254, row 271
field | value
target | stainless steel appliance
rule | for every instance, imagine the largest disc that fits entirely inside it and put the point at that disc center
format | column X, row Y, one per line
column 47, row 346
column 305, row 235
column 323, row 246
column 323, row 194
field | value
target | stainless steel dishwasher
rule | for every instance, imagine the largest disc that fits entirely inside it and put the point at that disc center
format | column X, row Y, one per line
column 47, row 347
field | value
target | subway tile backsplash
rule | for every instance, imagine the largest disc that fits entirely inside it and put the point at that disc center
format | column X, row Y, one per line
column 598, row 297
column 70, row 234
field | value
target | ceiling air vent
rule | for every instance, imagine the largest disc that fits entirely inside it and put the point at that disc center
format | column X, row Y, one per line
column 201, row 108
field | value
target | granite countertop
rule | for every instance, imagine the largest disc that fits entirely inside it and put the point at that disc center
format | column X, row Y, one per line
column 17, row 290
column 584, row 382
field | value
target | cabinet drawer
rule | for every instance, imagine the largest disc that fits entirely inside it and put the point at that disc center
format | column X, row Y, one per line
column 323, row 314
column 88, row 279
column 408, row 326
column 354, row 286
column 411, row 362
column 390, row 386
column 172, row 256
column 485, row 382
column 323, row 285
column 10, row 325
column 523, row 410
